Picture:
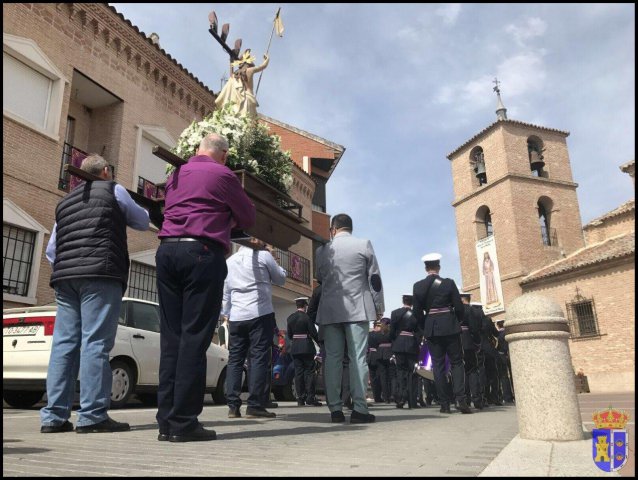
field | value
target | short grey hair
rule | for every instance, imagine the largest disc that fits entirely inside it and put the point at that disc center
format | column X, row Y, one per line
column 214, row 142
column 94, row 164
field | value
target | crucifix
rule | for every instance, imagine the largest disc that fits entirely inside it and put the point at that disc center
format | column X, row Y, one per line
column 497, row 83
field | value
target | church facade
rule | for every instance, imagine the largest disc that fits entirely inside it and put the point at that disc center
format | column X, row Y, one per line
column 519, row 230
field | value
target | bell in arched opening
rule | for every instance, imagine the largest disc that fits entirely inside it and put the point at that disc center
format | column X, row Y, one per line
column 479, row 169
column 536, row 160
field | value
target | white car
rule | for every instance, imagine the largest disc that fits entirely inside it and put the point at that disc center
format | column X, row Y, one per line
column 27, row 335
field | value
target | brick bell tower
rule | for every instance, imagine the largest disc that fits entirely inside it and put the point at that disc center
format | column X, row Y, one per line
column 513, row 180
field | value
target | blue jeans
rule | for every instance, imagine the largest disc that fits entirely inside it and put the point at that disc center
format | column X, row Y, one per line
column 87, row 317
column 336, row 337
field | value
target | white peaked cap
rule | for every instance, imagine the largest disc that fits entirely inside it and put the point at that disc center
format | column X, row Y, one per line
column 299, row 299
column 431, row 257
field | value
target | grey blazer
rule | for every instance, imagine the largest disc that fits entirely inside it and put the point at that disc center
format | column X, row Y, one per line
column 350, row 281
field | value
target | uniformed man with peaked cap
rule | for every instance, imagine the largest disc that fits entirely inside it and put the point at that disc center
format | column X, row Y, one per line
column 301, row 332
column 439, row 310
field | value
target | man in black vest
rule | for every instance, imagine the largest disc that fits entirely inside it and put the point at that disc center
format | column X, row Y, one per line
column 90, row 261
column 438, row 308
column 301, row 332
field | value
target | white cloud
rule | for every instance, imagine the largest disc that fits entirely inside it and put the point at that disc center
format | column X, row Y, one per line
column 449, row 12
column 522, row 74
column 534, row 27
column 388, row 203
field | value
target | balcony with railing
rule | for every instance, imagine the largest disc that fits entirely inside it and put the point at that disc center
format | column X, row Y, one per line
column 297, row 267
column 73, row 156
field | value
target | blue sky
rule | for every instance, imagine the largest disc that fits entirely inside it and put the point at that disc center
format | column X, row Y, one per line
column 402, row 85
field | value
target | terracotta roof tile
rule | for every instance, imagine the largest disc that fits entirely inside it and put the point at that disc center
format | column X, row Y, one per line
column 624, row 208
column 612, row 248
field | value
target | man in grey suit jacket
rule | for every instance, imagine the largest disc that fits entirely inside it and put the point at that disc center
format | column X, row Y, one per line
column 352, row 296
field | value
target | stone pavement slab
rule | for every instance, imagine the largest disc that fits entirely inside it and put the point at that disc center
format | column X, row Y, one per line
column 300, row 441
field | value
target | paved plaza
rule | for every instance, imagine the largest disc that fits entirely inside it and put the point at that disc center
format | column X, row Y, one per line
column 302, row 442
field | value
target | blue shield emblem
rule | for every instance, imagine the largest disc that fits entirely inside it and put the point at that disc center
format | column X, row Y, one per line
column 609, row 449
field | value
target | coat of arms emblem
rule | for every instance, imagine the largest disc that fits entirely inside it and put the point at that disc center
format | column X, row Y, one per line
column 610, row 440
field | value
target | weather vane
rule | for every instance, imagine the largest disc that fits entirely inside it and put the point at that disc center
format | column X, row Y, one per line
column 497, row 83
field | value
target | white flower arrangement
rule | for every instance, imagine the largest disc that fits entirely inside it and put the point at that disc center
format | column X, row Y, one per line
column 251, row 147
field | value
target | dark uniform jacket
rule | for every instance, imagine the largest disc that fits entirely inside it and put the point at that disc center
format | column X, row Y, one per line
column 403, row 323
column 373, row 348
column 383, row 344
column 446, row 307
column 471, row 329
column 299, row 324
column 489, row 333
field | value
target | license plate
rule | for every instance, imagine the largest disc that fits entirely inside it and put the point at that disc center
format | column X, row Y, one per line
column 21, row 330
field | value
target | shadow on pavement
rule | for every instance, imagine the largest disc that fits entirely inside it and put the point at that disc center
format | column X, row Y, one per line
column 23, row 450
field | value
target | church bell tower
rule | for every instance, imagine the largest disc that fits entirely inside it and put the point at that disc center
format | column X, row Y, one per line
column 515, row 205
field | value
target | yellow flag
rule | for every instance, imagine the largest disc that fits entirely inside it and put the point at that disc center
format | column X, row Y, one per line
column 279, row 25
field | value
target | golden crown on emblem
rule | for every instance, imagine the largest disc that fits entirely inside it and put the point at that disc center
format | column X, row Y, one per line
column 610, row 419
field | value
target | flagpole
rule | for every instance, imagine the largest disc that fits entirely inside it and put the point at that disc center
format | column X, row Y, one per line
column 267, row 50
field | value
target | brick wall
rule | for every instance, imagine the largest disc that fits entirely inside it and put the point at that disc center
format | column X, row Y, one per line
column 608, row 360
column 512, row 195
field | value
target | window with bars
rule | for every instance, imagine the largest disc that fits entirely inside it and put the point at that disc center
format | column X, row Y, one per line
column 17, row 258
column 581, row 314
column 142, row 282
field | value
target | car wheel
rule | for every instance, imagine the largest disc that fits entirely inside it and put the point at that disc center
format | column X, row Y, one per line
column 123, row 383
column 22, row 399
column 219, row 395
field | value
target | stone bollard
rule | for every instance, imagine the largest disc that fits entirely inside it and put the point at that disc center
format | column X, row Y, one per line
column 546, row 402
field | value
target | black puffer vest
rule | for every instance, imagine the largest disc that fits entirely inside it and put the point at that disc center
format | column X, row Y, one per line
column 91, row 235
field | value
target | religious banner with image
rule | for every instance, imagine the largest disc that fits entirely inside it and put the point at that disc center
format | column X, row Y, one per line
column 490, row 277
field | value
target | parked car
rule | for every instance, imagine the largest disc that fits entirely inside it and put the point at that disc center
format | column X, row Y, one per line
column 27, row 335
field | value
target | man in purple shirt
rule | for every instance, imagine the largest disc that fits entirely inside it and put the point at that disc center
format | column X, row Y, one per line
column 204, row 200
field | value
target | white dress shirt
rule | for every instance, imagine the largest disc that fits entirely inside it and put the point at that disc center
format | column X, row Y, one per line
column 248, row 285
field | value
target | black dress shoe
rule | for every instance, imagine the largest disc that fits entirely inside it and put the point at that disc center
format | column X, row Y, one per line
column 63, row 427
column 314, row 402
column 234, row 412
column 301, row 403
column 259, row 413
column 337, row 417
column 272, row 404
column 463, row 408
column 400, row 405
column 445, row 409
column 199, row 434
column 162, row 437
column 107, row 426
column 356, row 417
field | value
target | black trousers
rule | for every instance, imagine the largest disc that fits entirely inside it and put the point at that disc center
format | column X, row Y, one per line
column 493, row 386
column 252, row 339
column 506, row 382
column 385, row 380
column 472, row 382
column 304, row 373
column 190, row 283
column 405, row 366
column 375, row 381
column 439, row 347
